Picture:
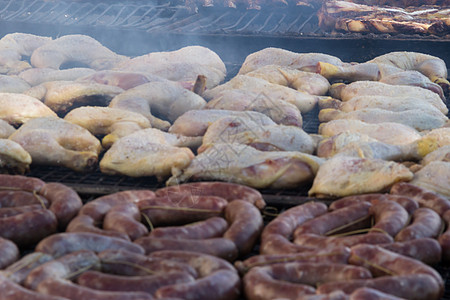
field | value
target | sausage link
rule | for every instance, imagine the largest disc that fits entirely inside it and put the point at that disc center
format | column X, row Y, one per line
column 21, row 198
column 366, row 293
column 13, row 291
column 63, row 267
column 125, row 218
column 246, row 224
column 19, row 182
column 85, row 223
column 408, row 203
column 425, row 223
column 220, row 247
column 210, row 228
column 226, row 190
column 62, row 243
column 413, row 287
column 67, row 289
column 9, row 253
column 424, row 197
column 127, row 263
column 444, row 238
column 383, row 262
column 322, row 242
column 330, row 221
column 220, row 285
column 28, row 228
column 389, row 216
column 65, row 202
column 13, row 211
column 148, row 284
column 18, row 271
column 426, row 250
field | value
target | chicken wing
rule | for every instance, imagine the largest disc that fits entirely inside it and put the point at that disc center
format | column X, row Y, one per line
column 36, row 76
column 415, row 118
column 12, row 84
column 112, row 123
column 196, row 122
column 281, row 112
column 54, row 141
column 343, row 176
column 5, row 129
column 264, row 138
column 17, row 108
column 140, row 154
column 63, row 96
column 304, row 101
column 434, row 176
column 387, row 132
column 13, row 158
column 245, row 165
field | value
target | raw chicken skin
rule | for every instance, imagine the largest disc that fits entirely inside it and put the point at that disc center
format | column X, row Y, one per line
column 13, row 158
column 17, row 108
column 36, row 76
column 5, row 129
column 12, row 84
column 434, row 176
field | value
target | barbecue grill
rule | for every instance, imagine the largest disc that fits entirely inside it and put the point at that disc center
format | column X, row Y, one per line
column 136, row 27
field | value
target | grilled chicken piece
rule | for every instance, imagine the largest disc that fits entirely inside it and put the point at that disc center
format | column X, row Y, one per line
column 36, row 76
column 311, row 83
column 363, row 146
column 433, row 140
column 281, row 57
column 13, row 158
column 75, row 48
column 12, row 84
column 281, row 112
column 185, row 64
column 14, row 46
column 5, row 129
column 440, row 154
column 434, row 176
column 304, row 101
column 264, row 138
column 63, row 96
column 343, row 176
column 387, row 132
column 112, row 123
column 17, row 108
column 54, row 141
column 196, row 122
column 146, row 153
column 374, row 88
column 245, row 165
column 165, row 99
column 415, row 118
column 122, row 79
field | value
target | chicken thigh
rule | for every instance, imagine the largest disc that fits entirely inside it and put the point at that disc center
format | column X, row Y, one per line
column 12, row 84
column 13, row 158
column 36, row 76
column 434, row 176
column 5, row 129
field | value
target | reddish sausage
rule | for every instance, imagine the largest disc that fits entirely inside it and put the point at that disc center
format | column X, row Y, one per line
column 85, row 223
column 427, row 250
column 425, row 223
column 19, row 270
column 28, row 228
column 13, row 291
column 21, row 198
column 408, row 203
column 366, row 293
column 275, row 238
column 13, row 211
column 246, row 224
column 390, row 217
column 9, row 253
column 226, row 190
column 210, row 228
column 65, row 202
column 62, row 243
column 19, row 182
column 444, row 239
column 125, row 218
column 322, row 242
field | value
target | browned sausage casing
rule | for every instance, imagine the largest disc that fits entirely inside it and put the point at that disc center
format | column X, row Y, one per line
column 427, row 250
column 21, row 198
column 323, row 242
column 19, row 182
column 390, row 217
column 19, row 270
column 210, row 228
column 13, row 211
column 85, row 223
column 9, row 253
column 366, row 293
column 125, row 218
column 13, row 291
column 426, row 223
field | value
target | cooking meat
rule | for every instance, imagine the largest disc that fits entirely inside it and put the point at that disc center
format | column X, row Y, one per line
column 343, row 176
column 304, row 101
column 265, row 138
column 245, row 165
column 36, row 76
column 53, row 141
column 440, row 154
column 123, row 79
column 17, row 108
column 62, row 96
column 387, row 132
column 281, row 112
column 166, row 99
column 12, row 84
column 433, row 140
column 112, row 122
column 139, row 154
column 14, row 46
column 435, row 176
column 185, row 64
column 5, row 129
column 415, row 118
column 311, row 83
column 13, row 158
column 282, row 57
column 75, row 48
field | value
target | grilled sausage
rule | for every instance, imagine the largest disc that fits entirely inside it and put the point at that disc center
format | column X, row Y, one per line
column 13, row 291
column 444, row 238
column 246, row 224
column 13, row 211
column 28, row 228
column 20, row 183
column 62, row 243
column 427, row 250
column 220, row 247
column 390, row 217
column 275, row 238
column 366, row 293
column 413, row 287
column 17, row 198
column 210, row 228
column 425, row 223
column 65, row 202
column 18, row 271
column 226, row 190
column 9, row 253
column 322, row 242
column 85, row 223
column 125, row 218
